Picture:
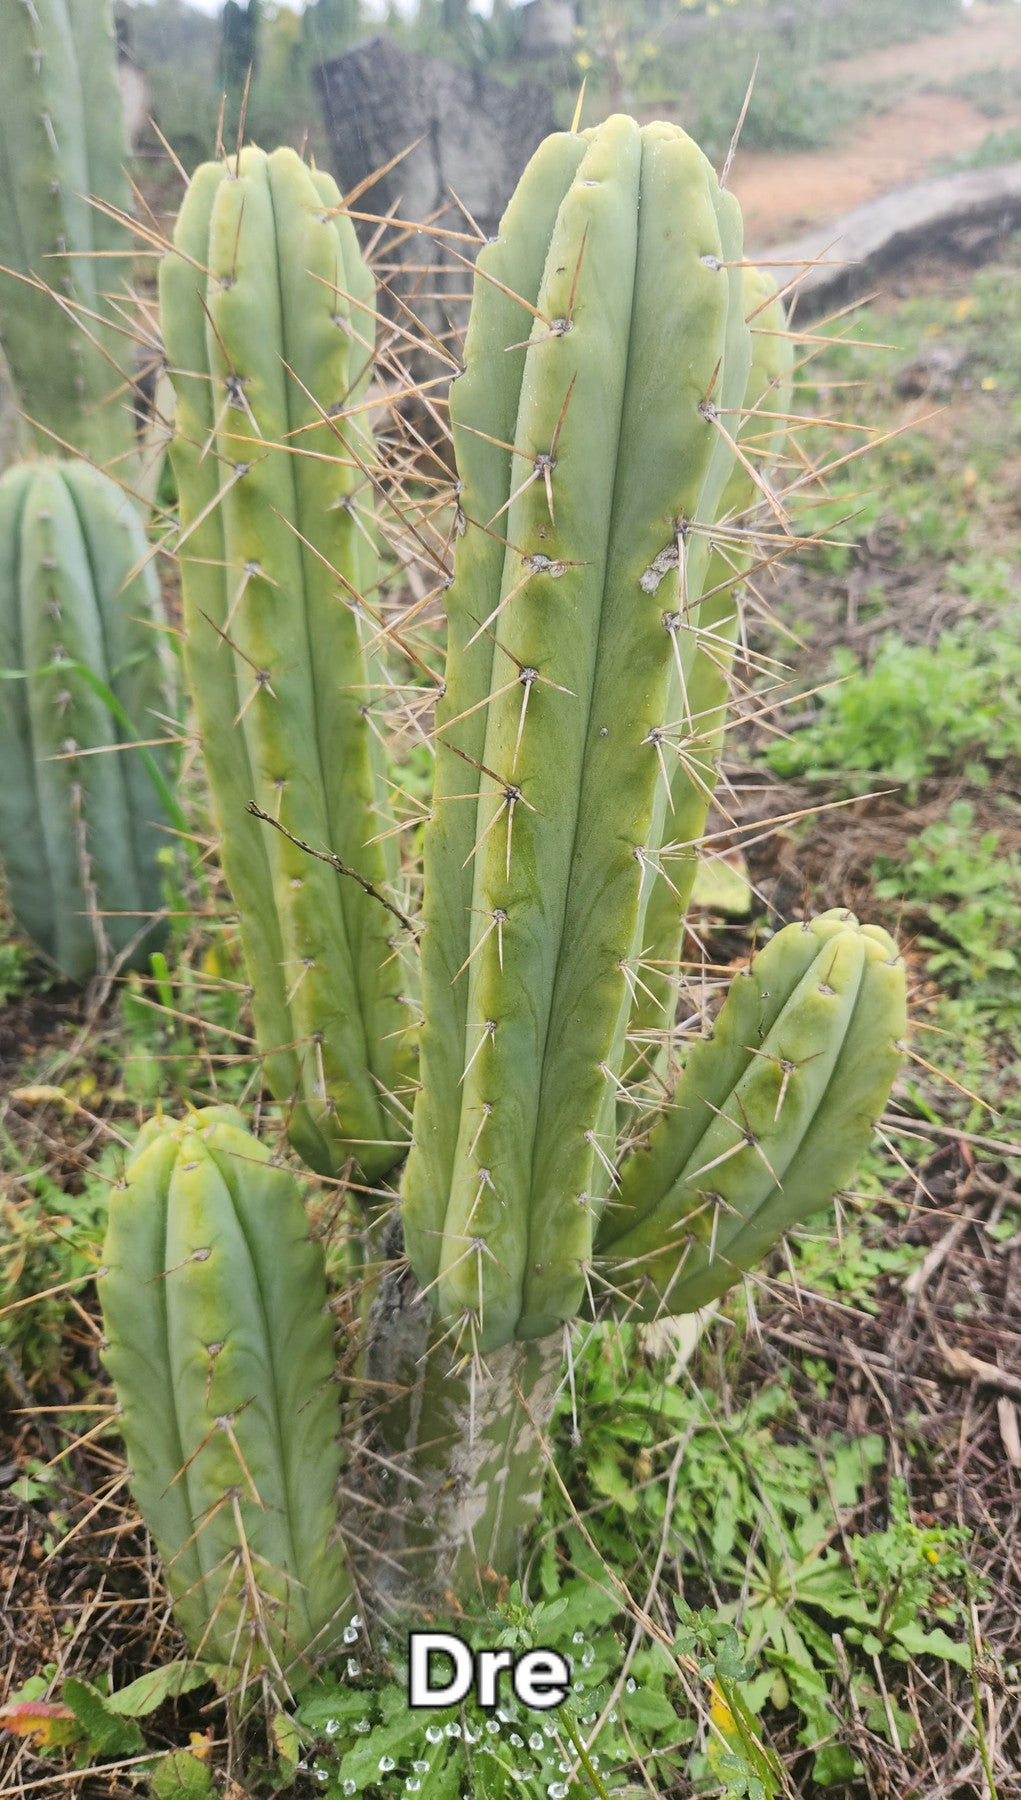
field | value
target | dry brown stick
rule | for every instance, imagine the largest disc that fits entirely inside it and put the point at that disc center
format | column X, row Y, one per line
column 342, row 868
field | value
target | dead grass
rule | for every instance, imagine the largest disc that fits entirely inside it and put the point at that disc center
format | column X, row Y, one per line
column 936, row 1372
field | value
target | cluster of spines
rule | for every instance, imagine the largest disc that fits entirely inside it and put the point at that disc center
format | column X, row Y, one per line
column 269, row 325
column 65, row 259
column 82, row 818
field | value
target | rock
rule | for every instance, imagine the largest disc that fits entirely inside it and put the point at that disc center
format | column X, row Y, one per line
column 967, row 215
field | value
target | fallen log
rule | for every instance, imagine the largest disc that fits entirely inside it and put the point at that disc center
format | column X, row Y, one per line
column 966, row 216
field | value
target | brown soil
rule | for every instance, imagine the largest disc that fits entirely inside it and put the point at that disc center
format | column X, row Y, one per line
column 32, row 1023
column 783, row 195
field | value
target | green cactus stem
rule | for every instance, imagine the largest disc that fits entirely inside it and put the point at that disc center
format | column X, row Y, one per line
column 82, row 812
column 447, row 1478
column 589, row 434
column 219, row 1345
column 64, row 308
column 760, row 437
column 770, row 1118
column 267, row 311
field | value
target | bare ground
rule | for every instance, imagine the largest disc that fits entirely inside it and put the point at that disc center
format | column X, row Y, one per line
column 916, row 128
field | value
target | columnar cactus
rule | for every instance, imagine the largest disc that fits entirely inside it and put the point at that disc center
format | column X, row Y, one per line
column 218, row 1339
column 593, row 462
column 772, row 1115
column 62, row 143
column 590, row 626
column 81, row 812
column 268, row 319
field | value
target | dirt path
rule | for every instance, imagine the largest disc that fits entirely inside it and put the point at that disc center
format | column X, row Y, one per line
column 783, row 195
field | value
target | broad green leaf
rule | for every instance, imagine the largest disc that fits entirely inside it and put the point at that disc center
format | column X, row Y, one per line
column 143, row 1696
column 917, row 1641
column 181, row 1776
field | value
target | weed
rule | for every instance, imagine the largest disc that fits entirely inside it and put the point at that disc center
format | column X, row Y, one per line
column 914, row 710
column 360, row 1736
column 996, row 147
column 15, row 970
column 760, row 1523
column 184, row 1025
column 93, row 1722
column 993, row 92
column 968, row 893
column 851, row 1269
column 888, row 1593
column 50, row 1248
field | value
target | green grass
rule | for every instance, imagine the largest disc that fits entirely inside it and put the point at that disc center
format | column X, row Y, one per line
column 993, row 92
column 967, row 891
column 15, row 970
column 996, row 147
column 755, row 1528
column 913, row 710
column 935, row 513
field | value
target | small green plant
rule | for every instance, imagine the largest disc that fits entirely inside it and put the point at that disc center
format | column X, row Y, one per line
column 359, row 1736
column 50, row 1242
column 799, row 1589
column 15, row 969
column 853, row 1267
column 966, row 892
column 185, row 1023
column 762, row 1522
column 93, row 1722
column 912, row 710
